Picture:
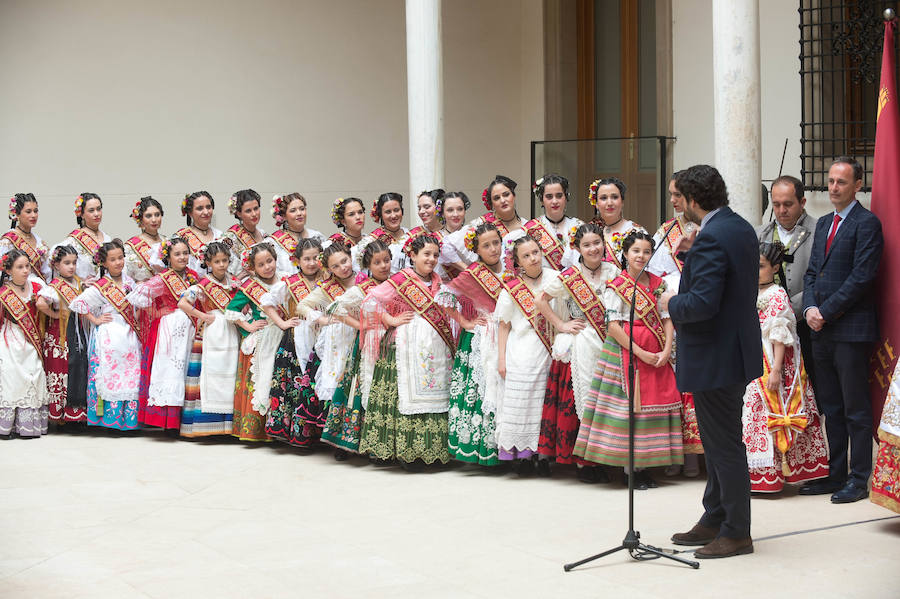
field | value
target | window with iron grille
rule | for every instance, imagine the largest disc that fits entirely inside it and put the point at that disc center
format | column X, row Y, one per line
column 840, row 62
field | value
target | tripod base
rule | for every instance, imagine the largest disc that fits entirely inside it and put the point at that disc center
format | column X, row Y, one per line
column 637, row 550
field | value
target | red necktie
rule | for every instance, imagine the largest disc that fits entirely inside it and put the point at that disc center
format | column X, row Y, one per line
column 834, row 227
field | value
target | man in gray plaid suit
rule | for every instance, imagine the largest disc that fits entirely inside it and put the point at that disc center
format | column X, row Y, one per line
column 840, row 309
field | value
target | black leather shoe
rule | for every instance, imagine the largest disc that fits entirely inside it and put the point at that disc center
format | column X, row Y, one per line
column 820, row 487
column 849, row 494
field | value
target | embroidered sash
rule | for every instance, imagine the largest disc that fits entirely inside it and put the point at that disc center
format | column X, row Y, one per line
column 20, row 243
column 644, row 304
column 284, row 239
column 331, row 288
column 366, row 284
column 89, row 244
column 254, row 291
column 676, row 232
column 784, row 420
column 343, row 239
column 486, row 279
column 297, row 287
column 65, row 290
column 585, row 298
column 419, row 298
column 193, row 240
column 490, row 217
column 174, row 283
column 383, row 235
column 218, row 295
column 115, row 295
column 612, row 254
column 242, row 235
column 549, row 243
column 18, row 309
column 142, row 249
column 524, row 299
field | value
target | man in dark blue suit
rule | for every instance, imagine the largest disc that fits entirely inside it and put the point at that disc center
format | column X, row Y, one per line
column 719, row 352
column 840, row 309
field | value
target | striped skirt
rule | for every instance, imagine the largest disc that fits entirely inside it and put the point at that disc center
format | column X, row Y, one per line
column 603, row 434
column 194, row 422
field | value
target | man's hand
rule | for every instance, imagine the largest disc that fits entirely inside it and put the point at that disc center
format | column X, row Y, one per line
column 684, row 243
column 663, row 302
column 814, row 319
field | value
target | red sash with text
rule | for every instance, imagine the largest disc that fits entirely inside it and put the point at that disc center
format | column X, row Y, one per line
column 644, row 303
column 142, row 249
column 549, row 243
column 419, row 298
column 193, row 240
column 254, row 291
column 217, row 295
column 285, row 240
column 115, row 295
column 18, row 309
column 89, row 244
column 524, row 299
column 242, row 235
column 585, row 298
column 20, row 243
column 491, row 218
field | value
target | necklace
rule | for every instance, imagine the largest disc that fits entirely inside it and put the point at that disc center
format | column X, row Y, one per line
column 593, row 271
column 533, row 278
column 514, row 218
column 621, row 218
column 152, row 238
column 424, row 279
column 27, row 235
column 556, row 222
column 290, row 230
column 17, row 286
column 204, row 231
column 761, row 285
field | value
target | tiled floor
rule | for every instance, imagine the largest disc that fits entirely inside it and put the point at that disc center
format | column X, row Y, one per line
column 94, row 515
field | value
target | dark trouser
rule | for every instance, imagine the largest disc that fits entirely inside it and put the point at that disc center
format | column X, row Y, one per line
column 842, row 370
column 803, row 333
column 727, row 495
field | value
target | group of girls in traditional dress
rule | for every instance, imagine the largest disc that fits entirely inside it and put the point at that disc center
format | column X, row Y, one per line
column 495, row 341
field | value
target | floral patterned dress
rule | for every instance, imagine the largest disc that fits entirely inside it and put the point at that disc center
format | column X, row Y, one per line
column 114, row 363
column 65, row 356
column 782, row 430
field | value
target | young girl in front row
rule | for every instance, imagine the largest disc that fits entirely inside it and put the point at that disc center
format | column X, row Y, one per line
column 168, row 341
column 65, row 342
column 406, row 417
column 209, row 385
column 782, row 428
column 23, row 384
column 114, row 350
column 290, row 377
column 579, row 341
column 525, row 342
column 603, row 435
column 343, row 422
column 245, row 311
column 474, row 382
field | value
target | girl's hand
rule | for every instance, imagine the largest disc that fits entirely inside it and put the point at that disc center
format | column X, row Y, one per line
column 501, row 367
column 481, row 321
column 207, row 318
column 404, row 318
column 256, row 325
column 661, row 358
column 573, row 327
column 645, row 356
column 774, row 382
column 323, row 321
column 98, row 320
column 290, row 323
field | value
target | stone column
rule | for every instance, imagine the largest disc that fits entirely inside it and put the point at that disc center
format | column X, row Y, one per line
column 736, row 100
column 424, row 88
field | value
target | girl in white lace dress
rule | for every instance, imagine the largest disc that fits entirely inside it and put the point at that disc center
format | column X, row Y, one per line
column 23, row 385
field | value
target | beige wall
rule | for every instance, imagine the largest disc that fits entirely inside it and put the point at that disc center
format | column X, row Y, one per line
column 779, row 88
column 126, row 99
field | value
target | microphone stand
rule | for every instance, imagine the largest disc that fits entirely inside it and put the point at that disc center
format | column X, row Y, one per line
column 632, row 541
